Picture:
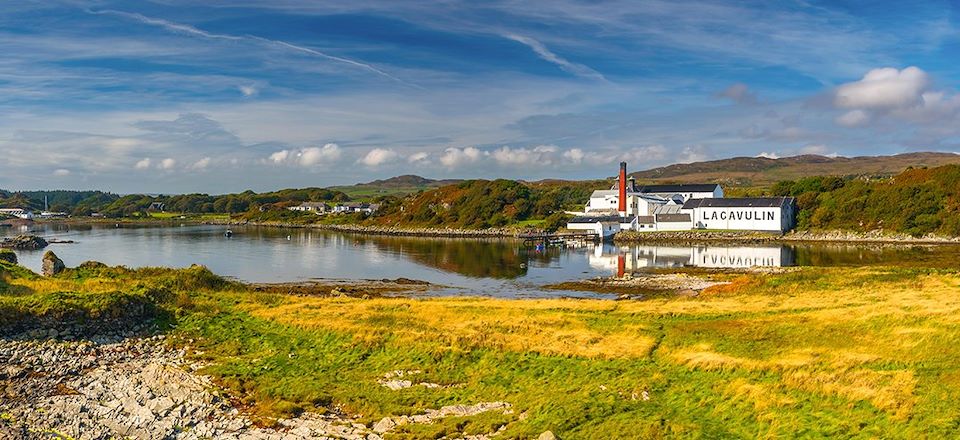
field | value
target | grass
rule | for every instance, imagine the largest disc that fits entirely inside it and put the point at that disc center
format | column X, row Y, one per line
column 816, row 352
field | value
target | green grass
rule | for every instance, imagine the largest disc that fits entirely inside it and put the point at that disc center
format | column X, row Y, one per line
column 843, row 352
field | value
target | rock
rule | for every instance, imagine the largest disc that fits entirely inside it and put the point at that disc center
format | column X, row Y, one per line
column 8, row 256
column 547, row 435
column 24, row 242
column 385, row 424
column 52, row 265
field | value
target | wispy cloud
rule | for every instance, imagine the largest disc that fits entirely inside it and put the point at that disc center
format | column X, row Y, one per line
column 546, row 54
column 193, row 31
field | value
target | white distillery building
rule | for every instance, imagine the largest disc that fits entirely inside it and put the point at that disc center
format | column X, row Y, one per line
column 679, row 207
column 774, row 214
column 18, row 212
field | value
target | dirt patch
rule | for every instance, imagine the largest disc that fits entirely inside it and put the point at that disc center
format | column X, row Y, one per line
column 350, row 288
column 639, row 286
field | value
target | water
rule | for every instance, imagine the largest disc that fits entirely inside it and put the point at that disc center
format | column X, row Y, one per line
column 486, row 267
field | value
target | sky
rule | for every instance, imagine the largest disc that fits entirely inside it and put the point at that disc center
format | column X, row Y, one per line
column 171, row 96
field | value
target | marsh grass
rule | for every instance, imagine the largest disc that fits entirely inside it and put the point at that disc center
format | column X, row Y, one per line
column 815, row 352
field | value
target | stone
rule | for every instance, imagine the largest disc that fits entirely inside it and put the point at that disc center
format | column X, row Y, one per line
column 52, row 265
column 547, row 435
column 24, row 242
column 7, row 256
column 385, row 424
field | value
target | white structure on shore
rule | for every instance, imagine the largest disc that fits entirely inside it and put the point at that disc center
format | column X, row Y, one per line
column 679, row 207
column 25, row 214
column 314, row 207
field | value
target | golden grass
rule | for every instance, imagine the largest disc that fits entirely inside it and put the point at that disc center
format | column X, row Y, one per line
column 546, row 327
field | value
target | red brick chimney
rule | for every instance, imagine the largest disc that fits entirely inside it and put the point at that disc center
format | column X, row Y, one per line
column 623, row 189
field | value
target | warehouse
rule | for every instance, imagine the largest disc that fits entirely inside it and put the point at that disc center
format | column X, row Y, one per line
column 750, row 214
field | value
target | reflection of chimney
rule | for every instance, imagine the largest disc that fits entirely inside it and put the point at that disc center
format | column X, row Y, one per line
column 623, row 189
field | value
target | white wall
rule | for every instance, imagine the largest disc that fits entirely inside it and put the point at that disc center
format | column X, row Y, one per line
column 738, row 256
column 747, row 219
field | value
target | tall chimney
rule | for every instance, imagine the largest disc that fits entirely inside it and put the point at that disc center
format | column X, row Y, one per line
column 623, row 189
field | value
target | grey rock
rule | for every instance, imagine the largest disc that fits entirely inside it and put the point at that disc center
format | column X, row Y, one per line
column 52, row 265
column 547, row 435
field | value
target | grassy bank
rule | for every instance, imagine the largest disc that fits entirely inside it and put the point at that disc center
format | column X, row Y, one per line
column 869, row 352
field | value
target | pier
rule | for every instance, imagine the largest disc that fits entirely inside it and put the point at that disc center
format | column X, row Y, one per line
column 534, row 239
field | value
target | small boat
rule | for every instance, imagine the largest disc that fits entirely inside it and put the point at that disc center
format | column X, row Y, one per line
column 228, row 233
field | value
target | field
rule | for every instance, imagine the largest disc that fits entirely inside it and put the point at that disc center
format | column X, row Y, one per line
column 812, row 352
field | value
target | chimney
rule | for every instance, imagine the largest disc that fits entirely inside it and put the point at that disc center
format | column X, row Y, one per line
column 623, row 189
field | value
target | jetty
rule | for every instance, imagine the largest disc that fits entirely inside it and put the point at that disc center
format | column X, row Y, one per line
column 533, row 239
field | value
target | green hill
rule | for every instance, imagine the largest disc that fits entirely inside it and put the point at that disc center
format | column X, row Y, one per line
column 762, row 171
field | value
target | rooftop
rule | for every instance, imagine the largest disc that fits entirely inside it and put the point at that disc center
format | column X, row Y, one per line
column 745, row 202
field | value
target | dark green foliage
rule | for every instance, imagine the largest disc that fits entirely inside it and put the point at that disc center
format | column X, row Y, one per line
column 476, row 204
column 915, row 202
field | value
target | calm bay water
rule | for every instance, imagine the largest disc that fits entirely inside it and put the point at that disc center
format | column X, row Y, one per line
column 489, row 267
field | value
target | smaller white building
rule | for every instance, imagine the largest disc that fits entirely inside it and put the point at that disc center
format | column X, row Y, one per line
column 314, row 207
column 604, row 226
column 363, row 207
column 25, row 214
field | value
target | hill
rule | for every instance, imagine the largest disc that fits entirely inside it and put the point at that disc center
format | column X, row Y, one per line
column 394, row 186
column 762, row 171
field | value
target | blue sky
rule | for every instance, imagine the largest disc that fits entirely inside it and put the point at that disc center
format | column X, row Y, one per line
column 167, row 96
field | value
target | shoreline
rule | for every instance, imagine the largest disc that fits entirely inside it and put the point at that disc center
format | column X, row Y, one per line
column 624, row 237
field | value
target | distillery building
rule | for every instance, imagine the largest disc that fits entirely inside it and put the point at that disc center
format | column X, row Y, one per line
column 679, row 207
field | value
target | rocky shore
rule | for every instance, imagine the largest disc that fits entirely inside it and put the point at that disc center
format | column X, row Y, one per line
column 878, row 237
column 386, row 230
column 132, row 388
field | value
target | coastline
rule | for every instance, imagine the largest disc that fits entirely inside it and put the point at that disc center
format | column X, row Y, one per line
column 623, row 237
column 751, row 237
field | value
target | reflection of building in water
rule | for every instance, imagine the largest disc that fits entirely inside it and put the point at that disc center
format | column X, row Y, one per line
column 611, row 258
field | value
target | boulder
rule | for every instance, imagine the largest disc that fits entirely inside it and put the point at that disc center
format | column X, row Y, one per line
column 7, row 256
column 547, row 435
column 52, row 264
column 24, row 242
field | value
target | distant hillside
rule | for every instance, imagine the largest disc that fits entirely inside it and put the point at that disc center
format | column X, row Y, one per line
column 761, row 171
column 394, row 186
column 408, row 180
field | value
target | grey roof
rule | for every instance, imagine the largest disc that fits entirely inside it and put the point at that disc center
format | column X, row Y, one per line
column 673, row 217
column 667, row 209
column 679, row 188
column 745, row 202
column 645, row 219
column 595, row 218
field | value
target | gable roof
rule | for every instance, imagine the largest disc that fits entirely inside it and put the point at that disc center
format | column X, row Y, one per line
column 745, row 202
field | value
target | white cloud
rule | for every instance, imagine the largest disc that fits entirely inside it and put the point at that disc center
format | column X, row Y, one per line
column 60, row 172
column 201, row 164
column 539, row 155
column 419, row 158
column 248, row 90
column 167, row 164
column 884, row 88
column 694, row 153
column 768, row 155
column 818, row 149
column 378, row 156
column 853, row 118
column 142, row 164
column 454, row 157
column 548, row 55
column 280, row 156
column 306, row 157
column 574, row 155
column 314, row 155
